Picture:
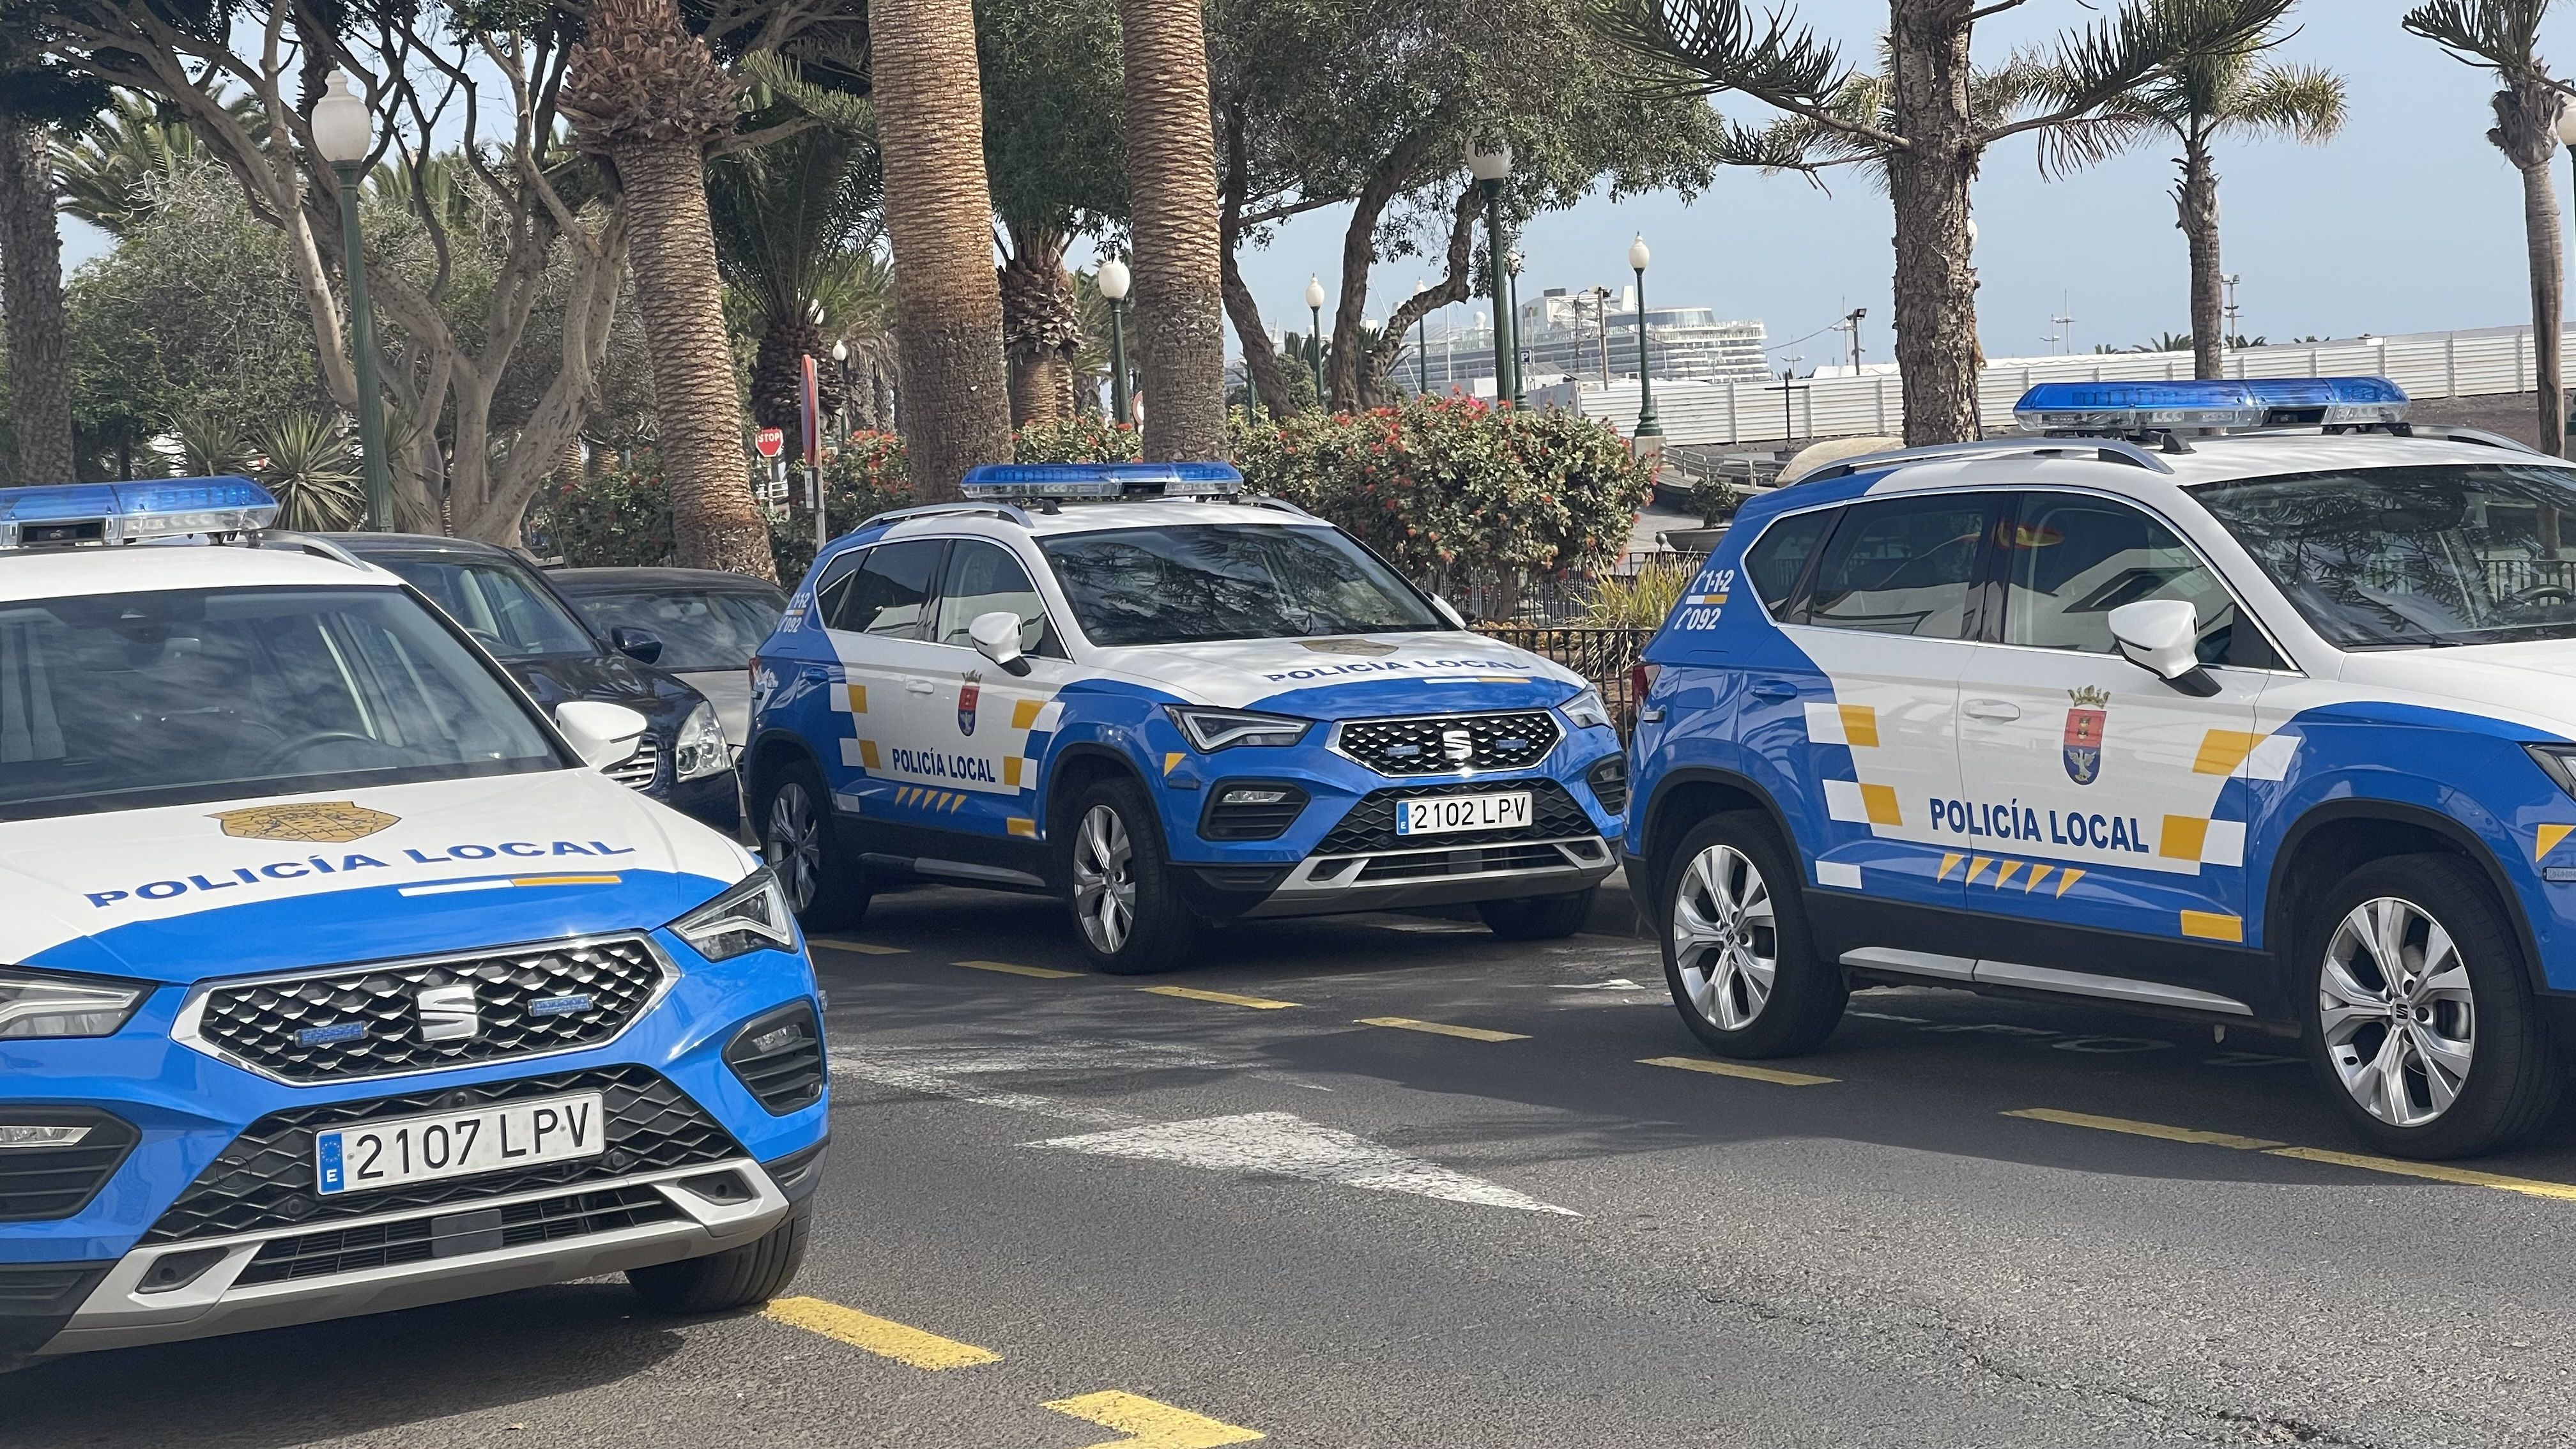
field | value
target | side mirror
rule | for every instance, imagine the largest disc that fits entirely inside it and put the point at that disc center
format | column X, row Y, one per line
column 2162, row 636
column 602, row 734
column 641, row 645
column 997, row 637
column 1449, row 611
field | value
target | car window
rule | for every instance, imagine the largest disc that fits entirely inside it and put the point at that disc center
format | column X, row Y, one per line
column 509, row 612
column 2068, row 561
column 1776, row 559
column 699, row 628
column 117, row 702
column 886, row 591
column 983, row 578
column 1901, row 566
column 1198, row 583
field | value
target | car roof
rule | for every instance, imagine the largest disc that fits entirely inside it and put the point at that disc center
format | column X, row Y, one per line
column 55, row 573
column 1101, row 517
column 2214, row 459
column 413, row 544
column 628, row 580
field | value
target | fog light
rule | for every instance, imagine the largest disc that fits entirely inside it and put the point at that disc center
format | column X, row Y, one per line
column 30, row 1136
column 1253, row 797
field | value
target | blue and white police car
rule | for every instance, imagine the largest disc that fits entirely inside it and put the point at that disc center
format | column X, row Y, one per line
column 1168, row 703
column 338, row 977
column 2242, row 702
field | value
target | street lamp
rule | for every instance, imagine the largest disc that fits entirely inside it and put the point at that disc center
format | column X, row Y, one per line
column 344, row 133
column 841, row 365
column 1648, row 428
column 1112, row 281
column 1520, row 349
column 1315, row 338
column 1489, row 165
column 1421, row 343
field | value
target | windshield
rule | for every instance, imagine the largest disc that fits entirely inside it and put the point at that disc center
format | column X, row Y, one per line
column 699, row 629
column 506, row 611
column 117, row 702
column 1203, row 582
column 2380, row 558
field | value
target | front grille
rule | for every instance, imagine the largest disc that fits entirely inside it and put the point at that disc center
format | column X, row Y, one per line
column 417, row 1240
column 779, row 1058
column 1370, row 824
column 1609, row 782
column 367, row 1021
column 1437, row 863
column 265, row 1178
column 639, row 770
column 1450, row 744
column 1233, row 812
column 41, row 1183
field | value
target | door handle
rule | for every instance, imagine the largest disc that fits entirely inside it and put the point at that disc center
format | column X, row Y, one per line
column 1992, row 709
column 1774, row 689
column 817, row 672
column 919, row 686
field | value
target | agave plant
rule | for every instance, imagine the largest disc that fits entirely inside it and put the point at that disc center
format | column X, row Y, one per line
column 209, row 443
column 308, row 464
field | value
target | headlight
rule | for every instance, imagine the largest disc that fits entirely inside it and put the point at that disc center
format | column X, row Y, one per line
column 2558, row 762
column 702, row 750
column 36, row 1004
column 752, row 916
column 1585, row 711
column 1218, row 729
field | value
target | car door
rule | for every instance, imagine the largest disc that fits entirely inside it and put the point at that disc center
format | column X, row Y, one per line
column 2093, row 786
column 996, row 721
column 1866, row 729
column 874, row 617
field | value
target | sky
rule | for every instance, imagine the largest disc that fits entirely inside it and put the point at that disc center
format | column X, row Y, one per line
column 2409, row 221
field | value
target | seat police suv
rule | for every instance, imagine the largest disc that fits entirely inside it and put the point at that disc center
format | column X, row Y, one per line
column 1168, row 704
column 340, row 978
column 2243, row 702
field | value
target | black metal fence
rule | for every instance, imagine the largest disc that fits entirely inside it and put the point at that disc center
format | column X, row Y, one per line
column 1604, row 656
column 1553, row 599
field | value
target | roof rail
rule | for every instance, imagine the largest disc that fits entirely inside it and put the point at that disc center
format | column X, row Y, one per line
column 2100, row 450
column 287, row 538
column 1003, row 511
column 1276, row 505
column 2480, row 436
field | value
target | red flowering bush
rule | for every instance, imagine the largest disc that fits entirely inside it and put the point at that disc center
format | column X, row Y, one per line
column 1081, row 438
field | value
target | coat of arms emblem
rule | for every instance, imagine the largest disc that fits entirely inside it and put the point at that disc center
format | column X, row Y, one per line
column 2083, row 749
column 329, row 821
column 969, row 695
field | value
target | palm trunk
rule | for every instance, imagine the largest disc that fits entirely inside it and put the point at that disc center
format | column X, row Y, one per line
column 2197, row 202
column 1041, row 325
column 1171, row 171
column 31, row 292
column 2540, row 225
column 1936, row 279
column 714, row 522
column 954, row 402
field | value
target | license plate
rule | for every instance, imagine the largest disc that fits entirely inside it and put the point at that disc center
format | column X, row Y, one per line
column 433, row 1145
column 1446, row 813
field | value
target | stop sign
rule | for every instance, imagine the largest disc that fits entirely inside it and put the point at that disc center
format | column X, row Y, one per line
column 770, row 442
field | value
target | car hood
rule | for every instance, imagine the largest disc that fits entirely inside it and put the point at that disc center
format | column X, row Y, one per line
column 606, row 679
column 2530, row 684
column 1352, row 678
column 187, row 892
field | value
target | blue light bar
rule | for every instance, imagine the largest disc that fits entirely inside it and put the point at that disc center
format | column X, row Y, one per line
column 131, row 512
column 2138, row 406
column 1101, row 480
column 2329, row 400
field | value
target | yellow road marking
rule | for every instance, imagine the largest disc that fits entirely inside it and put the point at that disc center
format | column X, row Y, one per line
column 1006, row 968
column 880, row 1336
column 1737, row 1069
column 1151, row 1425
column 1221, row 998
column 1471, row 1033
column 864, row 948
column 2143, row 1129
column 2465, row 1176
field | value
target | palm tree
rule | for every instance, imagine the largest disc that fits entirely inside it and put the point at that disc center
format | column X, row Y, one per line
column 948, row 301
column 2504, row 36
column 646, row 96
column 1171, row 180
column 111, row 171
column 1041, row 322
column 787, row 217
column 2228, row 93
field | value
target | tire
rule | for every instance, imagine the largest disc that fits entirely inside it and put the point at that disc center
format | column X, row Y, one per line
column 1537, row 918
column 2423, row 1059
column 1128, row 919
column 742, row 1277
column 802, row 842
column 1727, row 896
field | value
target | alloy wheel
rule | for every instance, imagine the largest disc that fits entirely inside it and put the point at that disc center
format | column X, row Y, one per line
column 1726, row 941
column 2397, row 1012
column 794, row 845
column 1104, row 893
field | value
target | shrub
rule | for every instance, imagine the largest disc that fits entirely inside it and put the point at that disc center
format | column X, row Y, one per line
column 1640, row 600
column 618, row 515
column 1715, row 499
column 1081, row 438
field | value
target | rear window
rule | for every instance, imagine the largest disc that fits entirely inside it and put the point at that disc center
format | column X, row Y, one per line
column 1776, row 559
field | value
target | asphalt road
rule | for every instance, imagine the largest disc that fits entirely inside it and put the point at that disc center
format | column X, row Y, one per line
column 1184, row 1221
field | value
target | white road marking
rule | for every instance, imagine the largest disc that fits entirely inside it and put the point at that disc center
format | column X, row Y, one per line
column 931, row 1084
column 1284, row 1144
column 1615, row 983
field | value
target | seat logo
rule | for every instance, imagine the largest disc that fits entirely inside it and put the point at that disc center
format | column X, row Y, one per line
column 2084, row 723
column 1458, row 745
column 448, row 1013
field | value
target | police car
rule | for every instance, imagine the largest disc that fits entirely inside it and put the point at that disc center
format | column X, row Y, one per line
column 1168, row 703
column 339, row 978
column 2269, row 728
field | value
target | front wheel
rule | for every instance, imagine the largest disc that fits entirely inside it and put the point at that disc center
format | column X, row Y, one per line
column 1737, row 955
column 1126, row 915
column 2420, row 1019
column 743, row 1277
column 1537, row 918
column 815, row 870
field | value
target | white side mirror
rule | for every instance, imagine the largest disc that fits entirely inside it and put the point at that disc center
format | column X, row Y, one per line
column 997, row 637
column 2162, row 636
column 1449, row 611
column 602, row 734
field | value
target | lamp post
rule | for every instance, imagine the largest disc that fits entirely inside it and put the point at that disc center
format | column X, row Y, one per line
column 343, row 132
column 1113, row 282
column 1650, row 432
column 841, row 365
column 1520, row 350
column 1315, row 337
column 1421, row 343
column 1489, row 165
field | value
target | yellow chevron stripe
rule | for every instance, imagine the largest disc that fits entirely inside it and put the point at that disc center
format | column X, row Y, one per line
column 2071, row 877
column 2004, row 876
column 2038, row 873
